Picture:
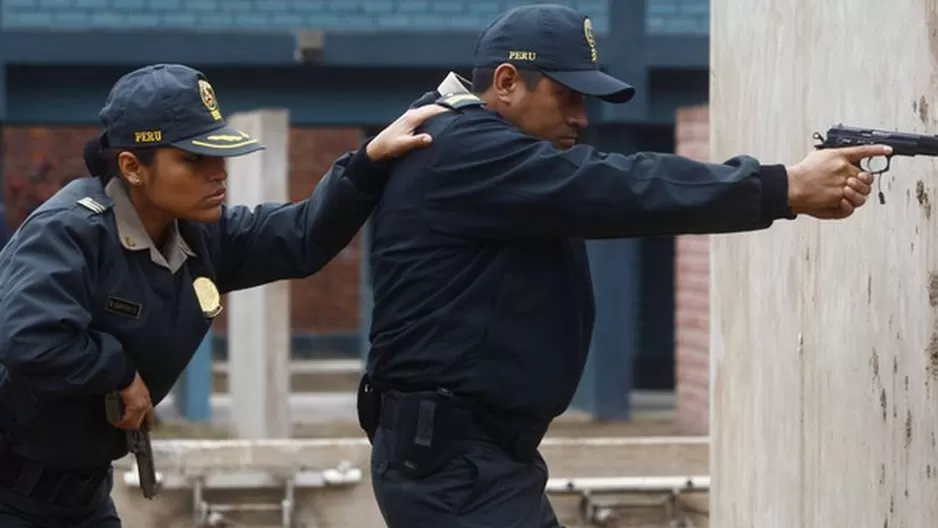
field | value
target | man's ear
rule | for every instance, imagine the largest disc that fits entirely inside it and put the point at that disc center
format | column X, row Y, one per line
column 505, row 81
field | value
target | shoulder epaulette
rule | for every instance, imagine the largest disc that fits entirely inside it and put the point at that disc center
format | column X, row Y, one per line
column 92, row 205
column 457, row 101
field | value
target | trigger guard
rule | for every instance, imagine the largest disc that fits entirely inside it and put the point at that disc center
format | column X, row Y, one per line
column 866, row 165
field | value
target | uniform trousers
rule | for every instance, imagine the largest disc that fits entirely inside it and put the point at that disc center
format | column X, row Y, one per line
column 481, row 487
column 95, row 509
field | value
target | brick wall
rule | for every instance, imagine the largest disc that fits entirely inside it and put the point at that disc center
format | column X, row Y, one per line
column 692, row 278
column 324, row 303
column 413, row 15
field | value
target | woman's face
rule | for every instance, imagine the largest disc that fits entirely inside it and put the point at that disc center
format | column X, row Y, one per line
column 178, row 183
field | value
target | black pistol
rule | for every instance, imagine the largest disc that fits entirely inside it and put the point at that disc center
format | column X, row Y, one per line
column 138, row 443
column 902, row 143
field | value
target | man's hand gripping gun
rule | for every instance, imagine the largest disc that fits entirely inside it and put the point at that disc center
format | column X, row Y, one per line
column 902, row 143
column 138, row 443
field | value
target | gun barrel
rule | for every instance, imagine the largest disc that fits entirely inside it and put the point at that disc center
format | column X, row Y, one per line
column 902, row 143
column 139, row 444
column 147, row 475
column 927, row 146
column 905, row 144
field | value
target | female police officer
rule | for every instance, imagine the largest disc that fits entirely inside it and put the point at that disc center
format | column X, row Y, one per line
column 112, row 283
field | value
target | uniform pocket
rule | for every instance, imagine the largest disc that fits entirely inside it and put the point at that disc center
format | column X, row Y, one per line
column 433, row 499
column 379, row 453
column 430, row 430
column 437, row 499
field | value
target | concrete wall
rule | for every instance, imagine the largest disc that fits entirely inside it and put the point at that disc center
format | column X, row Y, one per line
column 691, row 283
column 823, row 336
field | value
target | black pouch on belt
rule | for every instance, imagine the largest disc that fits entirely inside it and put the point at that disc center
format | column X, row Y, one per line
column 429, row 429
column 369, row 407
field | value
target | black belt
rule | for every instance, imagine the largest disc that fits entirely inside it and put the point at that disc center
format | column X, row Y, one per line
column 518, row 438
column 68, row 489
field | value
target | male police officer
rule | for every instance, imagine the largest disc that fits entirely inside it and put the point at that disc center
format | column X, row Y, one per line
column 483, row 302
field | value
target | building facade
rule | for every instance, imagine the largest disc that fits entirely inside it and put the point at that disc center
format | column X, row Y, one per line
column 343, row 68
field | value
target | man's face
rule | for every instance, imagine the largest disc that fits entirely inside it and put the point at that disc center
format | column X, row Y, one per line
column 548, row 111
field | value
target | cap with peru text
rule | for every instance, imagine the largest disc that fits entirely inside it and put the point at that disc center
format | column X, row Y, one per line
column 557, row 41
column 163, row 105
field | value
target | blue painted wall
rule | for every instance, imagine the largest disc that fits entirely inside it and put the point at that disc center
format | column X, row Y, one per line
column 662, row 16
column 313, row 96
column 677, row 17
column 245, row 59
column 412, row 15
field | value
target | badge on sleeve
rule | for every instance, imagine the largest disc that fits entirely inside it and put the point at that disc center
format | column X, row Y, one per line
column 208, row 296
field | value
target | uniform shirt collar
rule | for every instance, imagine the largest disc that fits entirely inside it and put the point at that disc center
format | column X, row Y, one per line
column 135, row 238
column 452, row 84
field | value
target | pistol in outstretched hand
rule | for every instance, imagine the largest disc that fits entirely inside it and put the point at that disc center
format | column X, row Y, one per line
column 902, row 143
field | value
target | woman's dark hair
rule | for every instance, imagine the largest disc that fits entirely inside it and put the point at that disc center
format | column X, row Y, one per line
column 101, row 160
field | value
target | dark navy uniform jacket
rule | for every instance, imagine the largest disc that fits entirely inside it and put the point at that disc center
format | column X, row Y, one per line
column 481, row 279
column 81, row 309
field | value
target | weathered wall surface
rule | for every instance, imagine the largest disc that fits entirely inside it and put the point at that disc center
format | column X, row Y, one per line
column 823, row 358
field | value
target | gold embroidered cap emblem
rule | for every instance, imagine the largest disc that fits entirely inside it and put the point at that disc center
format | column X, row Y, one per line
column 590, row 39
column 207, row 93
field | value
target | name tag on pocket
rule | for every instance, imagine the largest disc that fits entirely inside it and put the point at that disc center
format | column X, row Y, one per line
column 123, row 307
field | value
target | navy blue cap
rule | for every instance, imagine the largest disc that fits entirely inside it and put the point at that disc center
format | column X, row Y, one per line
column 556, row 40
column 170, row 105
